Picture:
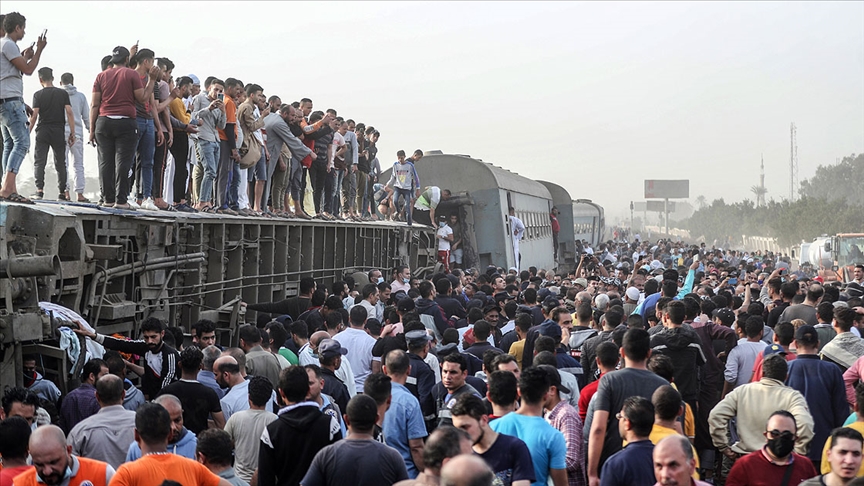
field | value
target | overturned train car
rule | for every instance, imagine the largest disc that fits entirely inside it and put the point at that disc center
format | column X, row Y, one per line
column 116, row 268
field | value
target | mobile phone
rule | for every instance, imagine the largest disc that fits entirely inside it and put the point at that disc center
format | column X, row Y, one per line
column 221, row 96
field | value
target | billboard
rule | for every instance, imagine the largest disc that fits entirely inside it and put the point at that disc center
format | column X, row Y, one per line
column 667, row 189
column 653, row 206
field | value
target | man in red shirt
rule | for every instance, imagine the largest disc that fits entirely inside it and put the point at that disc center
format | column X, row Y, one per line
column 113, row 124
column 556, row 228
column 775, row 463
column 607, row 360
column 14, row 438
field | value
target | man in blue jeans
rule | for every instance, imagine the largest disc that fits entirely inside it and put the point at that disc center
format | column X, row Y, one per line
column 149, row 132
column 404, row 181
column 210, row 110
column 13, row 119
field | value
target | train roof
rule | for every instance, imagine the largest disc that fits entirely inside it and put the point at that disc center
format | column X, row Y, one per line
column 463, row 173
column 560, row 196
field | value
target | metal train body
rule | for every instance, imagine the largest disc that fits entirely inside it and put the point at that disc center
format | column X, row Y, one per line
column 482, row 193
column 115, row 268
column 589, row 223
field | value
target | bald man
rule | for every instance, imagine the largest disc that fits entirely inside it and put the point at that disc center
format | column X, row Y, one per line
column 107, row 435
column 466, row 470
column 229, row 374
column 181, row 441
column 55, row 465
column 674, row 463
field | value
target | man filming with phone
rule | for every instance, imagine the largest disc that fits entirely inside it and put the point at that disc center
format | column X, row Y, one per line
column 14, row 64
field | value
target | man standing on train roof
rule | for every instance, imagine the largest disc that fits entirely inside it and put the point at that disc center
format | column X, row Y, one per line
column 427, row 202
column 518, row 229
column 556, row 228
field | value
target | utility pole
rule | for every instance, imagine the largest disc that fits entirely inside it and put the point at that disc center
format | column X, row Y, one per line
column 631, row 217
column 793, row 162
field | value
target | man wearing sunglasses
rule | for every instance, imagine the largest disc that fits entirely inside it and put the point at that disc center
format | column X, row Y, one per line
column 775, row 463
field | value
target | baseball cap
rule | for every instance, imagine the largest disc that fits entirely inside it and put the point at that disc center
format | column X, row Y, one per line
column 581, row 281
column 632, row 293
column 772, row 349
column 194, row 79
column 119, row 54
column 331, row 347
column 554, row 378
column 550, row 302
column 417, row 337
column 725, row 314
column 405, row 305
column 550, row 329
column 807, row 334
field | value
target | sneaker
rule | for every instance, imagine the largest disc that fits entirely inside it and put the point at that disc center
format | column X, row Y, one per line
column 133, row 203
column 185, row 208
column 62, row 197
column 38, row 196
column 149, row 205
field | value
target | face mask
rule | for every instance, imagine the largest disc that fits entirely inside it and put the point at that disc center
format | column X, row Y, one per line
column 406, row 280
column 442, row 223
column 782, row 446
column 380, row 279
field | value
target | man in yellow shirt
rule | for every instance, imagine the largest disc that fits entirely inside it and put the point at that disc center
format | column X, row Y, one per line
column 668, row 407
column 857, row 425
column 517, row 348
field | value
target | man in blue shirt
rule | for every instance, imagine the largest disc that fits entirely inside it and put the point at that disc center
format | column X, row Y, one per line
column 547, row 445
column 403, row 428
column 634, row 463
column 822, row 385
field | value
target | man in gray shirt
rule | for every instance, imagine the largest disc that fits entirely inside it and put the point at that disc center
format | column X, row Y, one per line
column 807, row 309
column 279, row 134
column 107, row 435
column 209, row 109
column 81, row 112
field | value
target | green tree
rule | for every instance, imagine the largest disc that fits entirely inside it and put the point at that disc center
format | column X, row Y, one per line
column 841, row 181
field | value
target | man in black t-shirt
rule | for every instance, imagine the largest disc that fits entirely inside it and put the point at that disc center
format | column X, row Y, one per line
column 199, row 401
column 508, row 456
column 52, row 108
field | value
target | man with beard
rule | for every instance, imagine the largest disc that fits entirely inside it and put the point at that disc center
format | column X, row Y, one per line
column 54, row 464
column 507, row 455
column 182, row 441
column 160, row 360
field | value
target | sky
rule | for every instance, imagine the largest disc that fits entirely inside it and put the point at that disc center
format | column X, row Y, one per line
column 594, row 96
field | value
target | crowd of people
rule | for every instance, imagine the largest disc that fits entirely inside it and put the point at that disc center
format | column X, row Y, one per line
column 171, row 143
column 649, row 363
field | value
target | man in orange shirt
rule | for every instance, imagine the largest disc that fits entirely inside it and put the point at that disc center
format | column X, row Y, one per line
column 152, row 431
column 228, row 173
column 54, row 464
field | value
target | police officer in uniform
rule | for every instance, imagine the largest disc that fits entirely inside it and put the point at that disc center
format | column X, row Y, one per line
column 421, row 378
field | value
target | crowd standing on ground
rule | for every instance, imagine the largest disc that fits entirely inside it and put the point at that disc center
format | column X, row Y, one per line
column 650, row 363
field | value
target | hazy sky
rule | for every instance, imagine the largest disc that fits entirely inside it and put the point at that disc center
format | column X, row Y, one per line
column 595, row 96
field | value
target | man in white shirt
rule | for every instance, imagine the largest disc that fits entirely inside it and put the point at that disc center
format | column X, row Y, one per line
column 445, row 236
column 518, row 229
column 359, row 345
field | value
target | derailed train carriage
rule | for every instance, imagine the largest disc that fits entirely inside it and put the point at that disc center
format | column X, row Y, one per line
column 116, row 268
column 482, row 194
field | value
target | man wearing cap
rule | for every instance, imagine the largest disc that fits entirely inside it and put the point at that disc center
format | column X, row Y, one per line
column 421, row 378
column 822, row 385
column 631, row 300
column 330, row 354
column 739, row 362
column 113, row 124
